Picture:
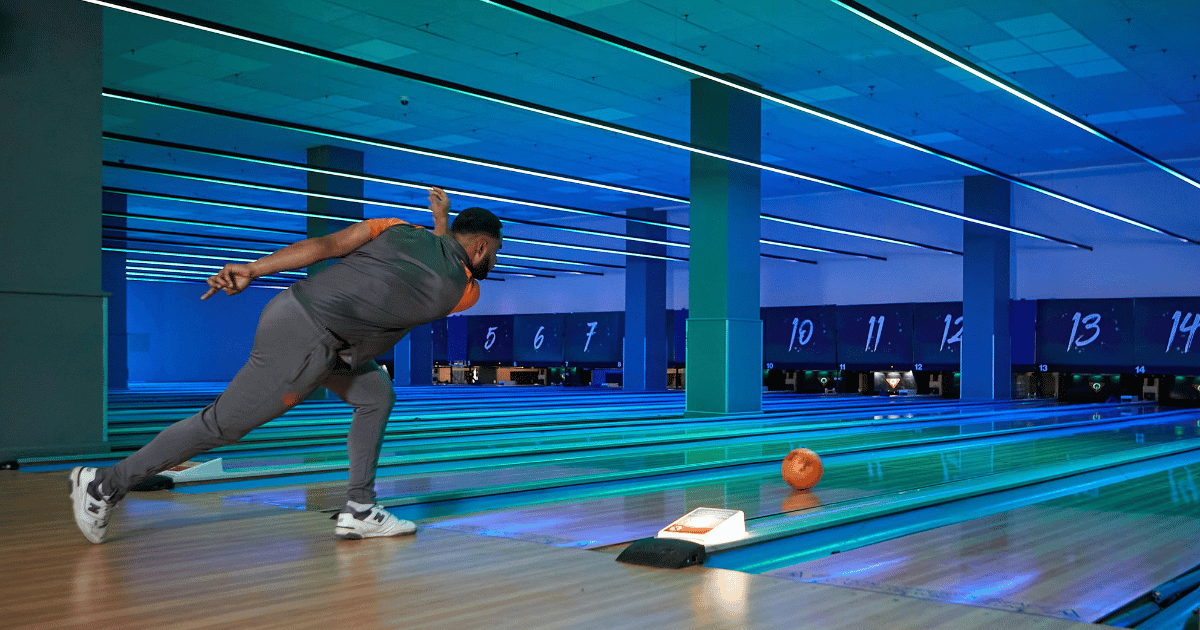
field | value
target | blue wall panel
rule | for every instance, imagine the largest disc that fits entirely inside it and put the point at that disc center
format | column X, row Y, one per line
column 175, row 337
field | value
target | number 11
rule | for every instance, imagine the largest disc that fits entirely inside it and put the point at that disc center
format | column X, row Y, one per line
column 872, row 332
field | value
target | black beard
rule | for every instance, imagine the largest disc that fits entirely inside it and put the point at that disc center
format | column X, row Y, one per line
column 479, row 271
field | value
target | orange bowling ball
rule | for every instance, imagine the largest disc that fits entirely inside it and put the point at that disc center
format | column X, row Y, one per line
column 802, row 469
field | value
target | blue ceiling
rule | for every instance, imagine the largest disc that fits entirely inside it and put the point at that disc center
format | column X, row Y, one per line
column 1129, row 68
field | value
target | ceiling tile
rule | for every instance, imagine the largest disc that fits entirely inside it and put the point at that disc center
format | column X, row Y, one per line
column 1033, row 25
column 999, row 50
column 1094, row 68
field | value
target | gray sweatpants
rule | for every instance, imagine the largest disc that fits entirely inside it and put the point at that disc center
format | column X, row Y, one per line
column 292, row 356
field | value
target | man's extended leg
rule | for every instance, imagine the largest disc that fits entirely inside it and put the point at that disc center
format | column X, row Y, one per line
column 291, row 356
column 369, row 390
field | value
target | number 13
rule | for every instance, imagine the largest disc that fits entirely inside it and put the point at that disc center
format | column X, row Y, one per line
column 1091, row 322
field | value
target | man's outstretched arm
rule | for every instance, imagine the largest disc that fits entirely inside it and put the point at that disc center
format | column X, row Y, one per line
column 234, row 278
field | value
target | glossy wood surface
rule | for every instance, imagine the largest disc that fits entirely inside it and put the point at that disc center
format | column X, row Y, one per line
column 205, row 561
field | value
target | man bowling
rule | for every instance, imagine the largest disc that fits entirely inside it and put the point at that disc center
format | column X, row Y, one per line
column 323, row 331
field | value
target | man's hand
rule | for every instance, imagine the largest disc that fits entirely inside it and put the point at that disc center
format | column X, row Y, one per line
column 439, row 205
column 232, row 278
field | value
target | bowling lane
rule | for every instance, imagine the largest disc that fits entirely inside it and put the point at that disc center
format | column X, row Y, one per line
column 1077, row 557
column 316, row 423
column 639, row 495
column 323, row 439
column 510, row 409
column 721, row 445
column 759, row 492
column 416, row 446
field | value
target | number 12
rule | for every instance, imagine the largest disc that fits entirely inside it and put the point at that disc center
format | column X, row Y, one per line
column 957, row 336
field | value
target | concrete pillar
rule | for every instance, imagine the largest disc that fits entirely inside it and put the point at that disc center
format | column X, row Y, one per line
column 113, row 283
column 986, row 345
column 52, row 321
column 645, row 362
column 420, row 357
column 414, row 358
column 341, row 159
column 345, row 160
column 724, row 331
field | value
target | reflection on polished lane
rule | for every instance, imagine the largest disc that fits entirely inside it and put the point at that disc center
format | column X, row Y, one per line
column 1076, row 557
column 759, row 491
column 461, row 471
column 596, row 468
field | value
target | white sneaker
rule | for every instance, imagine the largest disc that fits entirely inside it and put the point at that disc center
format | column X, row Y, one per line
column 371, row 523
column 91, row 513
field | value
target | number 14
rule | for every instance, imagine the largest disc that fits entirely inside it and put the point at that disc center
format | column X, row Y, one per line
column 1190, row 329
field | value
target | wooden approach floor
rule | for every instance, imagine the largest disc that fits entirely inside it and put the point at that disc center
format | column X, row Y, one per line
column 178, row 562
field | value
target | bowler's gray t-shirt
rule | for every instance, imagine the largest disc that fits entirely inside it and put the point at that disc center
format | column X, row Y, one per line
column 405, row 276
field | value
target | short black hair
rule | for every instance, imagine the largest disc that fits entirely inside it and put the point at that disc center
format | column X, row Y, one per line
column 477, row 221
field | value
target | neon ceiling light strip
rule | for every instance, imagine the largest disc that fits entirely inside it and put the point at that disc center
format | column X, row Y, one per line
column 586, row 248
column 153, row 273
column 423, row 186
column 382, row 144
column 191, row 222
column 777, row 257
column 264, row 253
column 251, row 251
column 580, row 231
column 333, row 197
column 139, row 278
column 191, row 273
column 389, row 204
column 300, row 274
column 239, row 250
column 874, row 237
column 555, row 261
column 168, row 273
column 949, row 57
column 779, row 99
column 390, row 181
column 242, row 206
column 797, row 174
column 523, row 274
column 175, row 254
column 311, row 51
column 140, row 230
column 820, row 249
column 203, row 277
column 282, row 245
column 571, row 271
column 211, row 202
